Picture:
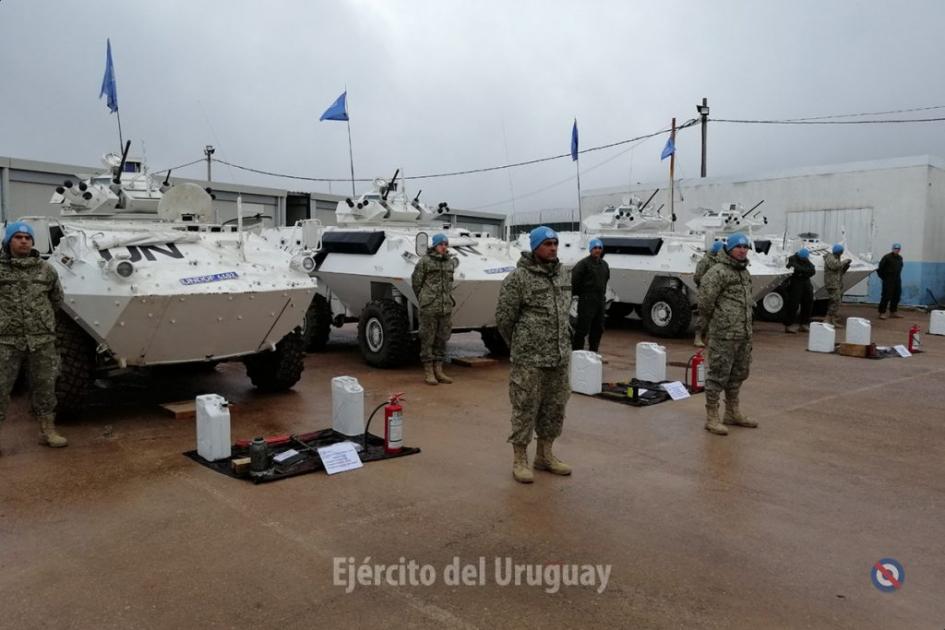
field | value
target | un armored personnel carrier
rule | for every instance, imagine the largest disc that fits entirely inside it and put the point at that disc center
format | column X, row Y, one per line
column 652, row 267
column 775, row 250
column 364, row 266
column 150, row 280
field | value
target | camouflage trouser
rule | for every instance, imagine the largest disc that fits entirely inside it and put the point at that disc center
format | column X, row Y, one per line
column 833, row 308
column 435, row 331
column 700, row 323
column 539, row 396
column 728, row 363
column 43, row 366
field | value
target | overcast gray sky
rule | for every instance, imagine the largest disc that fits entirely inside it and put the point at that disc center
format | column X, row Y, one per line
column 444, row 85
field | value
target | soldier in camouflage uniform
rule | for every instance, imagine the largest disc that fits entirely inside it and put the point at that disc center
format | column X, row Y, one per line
column 704, row 264
column 834, row 268
column 432, row 282
column 725, row 303
column 30, row 295
column 532, row 317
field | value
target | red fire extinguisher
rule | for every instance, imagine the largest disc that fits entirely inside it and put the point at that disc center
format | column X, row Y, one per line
column 915, row 340
column 696, row 372
column 394, row 424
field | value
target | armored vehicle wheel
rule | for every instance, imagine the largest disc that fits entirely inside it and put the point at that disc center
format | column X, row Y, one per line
column 76, row 366
column 384, row 333
column 666, row 312
column 317, row 324
column 278, row 370
column 770, row 308
column 494, row 342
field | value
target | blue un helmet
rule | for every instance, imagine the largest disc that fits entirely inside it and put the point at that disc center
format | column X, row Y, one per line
column 736, row 240
column 539, row 235
column 438, row 238
column 803, row 253
column 595, row 242
column 716, row 247
column 17, row 227
column 837, row 249
column 897, row 246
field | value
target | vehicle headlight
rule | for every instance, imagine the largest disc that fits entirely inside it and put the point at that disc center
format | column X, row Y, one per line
column 125, row 268
column 304, row 262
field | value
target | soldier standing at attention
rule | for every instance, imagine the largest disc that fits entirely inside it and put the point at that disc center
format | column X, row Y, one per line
column 890, row 272
column 834, row 268
column 800, row 292
column 705, row 263
column 725, row 303
column 532, row 317
column 432, row 282
column 30, row 295
column 589, row 280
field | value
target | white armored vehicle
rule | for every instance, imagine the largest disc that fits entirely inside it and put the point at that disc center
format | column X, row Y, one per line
column 364, row 266
column 775, row 250
column 652, row 267
column 149, row 280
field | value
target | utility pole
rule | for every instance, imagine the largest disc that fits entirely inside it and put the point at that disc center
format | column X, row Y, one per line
column 704, row 113
column 209, row 151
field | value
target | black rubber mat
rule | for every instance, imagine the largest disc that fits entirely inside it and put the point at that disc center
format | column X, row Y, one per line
column 628, row 393
column 308, row 462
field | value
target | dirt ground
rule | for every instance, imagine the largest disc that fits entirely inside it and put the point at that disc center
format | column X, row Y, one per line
column 773, row 527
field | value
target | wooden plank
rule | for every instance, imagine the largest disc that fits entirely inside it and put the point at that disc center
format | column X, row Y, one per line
column 182, row 409
column 473, row 361
column 186, row 409
column 853, row 350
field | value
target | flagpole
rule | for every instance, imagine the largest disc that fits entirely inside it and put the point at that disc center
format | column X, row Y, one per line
column 121, row 140
column 351, row 159
column 672, row 169
column 577, row 164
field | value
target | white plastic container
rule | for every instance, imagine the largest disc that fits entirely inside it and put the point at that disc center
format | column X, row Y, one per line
column 587, row 372
column 347, row 405
column 213, row 427
column 822, row 337
column 937, row 323
column 651, row 361
column 859, row 331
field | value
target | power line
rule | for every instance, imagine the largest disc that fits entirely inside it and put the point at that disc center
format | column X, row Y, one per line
column 889, row 121
column 464, row 172
column 174, row 168
column 889, row 111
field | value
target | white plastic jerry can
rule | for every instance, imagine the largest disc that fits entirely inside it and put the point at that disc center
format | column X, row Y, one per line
column 347, row 406
column 213, row 427
column 587, row 372
column 651, row 362
column 822, row 337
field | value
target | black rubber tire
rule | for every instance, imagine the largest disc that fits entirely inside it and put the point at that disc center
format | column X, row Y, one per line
column 384, row 334
column 76, row 366
column 675, row 312
column 317, row 324
column 278, row 370
column 494, row 342
column 764, row 313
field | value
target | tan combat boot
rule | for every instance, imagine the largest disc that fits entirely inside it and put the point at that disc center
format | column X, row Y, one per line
column 732, row 415
column 896, row 315
column 520, row 468
column 804, row 328
column 439, row 374
column 882, row 316
column 789, row 330
column 545, row 459
column 428, row 375
column 712, row 422
column 698, row 342
column 48, row 434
